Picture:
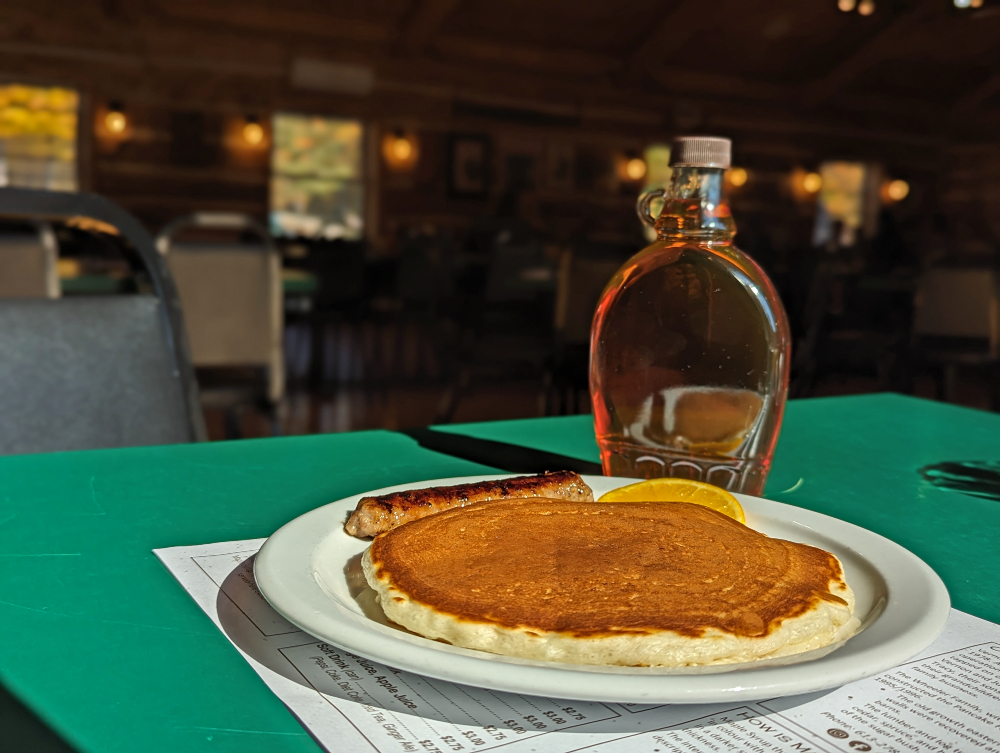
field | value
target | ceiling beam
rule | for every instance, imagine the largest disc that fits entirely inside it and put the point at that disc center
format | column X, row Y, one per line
column 425, row 21
column 138, row 62
column 471, row 80
column 569, row 62
column 791, row 126
column 590, row 66
column 264, row 18
column 717, row 85
column 877, row 48
column 970, row 104
column 686, row 19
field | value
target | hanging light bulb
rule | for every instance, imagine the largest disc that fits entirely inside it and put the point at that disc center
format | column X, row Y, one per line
column 804, row 185
column 115, row 120
column 635, row 169
column 846, row 5
column 737, row 176
column 897, row 190
column 976, row 3
column 812, row 182
column 400, row 150
column 253, row 131
column 866, row 7
column 962, row 3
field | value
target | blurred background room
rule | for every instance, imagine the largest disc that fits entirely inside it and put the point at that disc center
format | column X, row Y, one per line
column 393, row 213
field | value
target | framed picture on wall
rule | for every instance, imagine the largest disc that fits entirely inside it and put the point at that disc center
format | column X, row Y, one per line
column 468, row 165
column 561, row 157
column 519, row 163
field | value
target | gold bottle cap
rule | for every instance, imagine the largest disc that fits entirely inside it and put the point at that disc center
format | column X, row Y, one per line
column 701, row 151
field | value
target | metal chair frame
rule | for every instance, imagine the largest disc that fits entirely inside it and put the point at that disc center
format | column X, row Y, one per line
column 36, row 205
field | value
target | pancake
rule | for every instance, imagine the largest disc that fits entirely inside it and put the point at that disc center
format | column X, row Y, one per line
column 633, row 584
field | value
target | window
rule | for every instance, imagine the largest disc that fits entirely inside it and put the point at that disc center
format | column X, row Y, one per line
column 317, row 185
column 657, row 158
column 841, row 204
column 38, row 127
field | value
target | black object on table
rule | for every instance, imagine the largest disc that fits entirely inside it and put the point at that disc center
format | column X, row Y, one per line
column 506, row 457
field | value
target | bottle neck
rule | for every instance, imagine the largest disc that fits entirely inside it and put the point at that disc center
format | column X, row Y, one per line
column 695, row 207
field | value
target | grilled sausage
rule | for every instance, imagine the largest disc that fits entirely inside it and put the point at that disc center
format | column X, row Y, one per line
column 375, row 515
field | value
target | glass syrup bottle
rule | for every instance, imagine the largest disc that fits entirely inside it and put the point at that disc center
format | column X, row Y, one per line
column 690, row 344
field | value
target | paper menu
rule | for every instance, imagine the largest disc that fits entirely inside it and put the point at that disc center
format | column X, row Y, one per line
column 947, row 699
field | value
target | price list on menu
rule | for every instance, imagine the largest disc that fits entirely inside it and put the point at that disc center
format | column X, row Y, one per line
column 947, row 699
column 430, row 714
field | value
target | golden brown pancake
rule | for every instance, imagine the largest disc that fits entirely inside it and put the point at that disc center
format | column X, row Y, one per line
column 639, row 583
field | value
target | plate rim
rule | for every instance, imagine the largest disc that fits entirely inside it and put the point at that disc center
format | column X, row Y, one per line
column 284, row 555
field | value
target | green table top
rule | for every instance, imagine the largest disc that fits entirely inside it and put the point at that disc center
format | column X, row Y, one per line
column 100, row 641
column 300, row 284
column 95, row 284
column 296, row 282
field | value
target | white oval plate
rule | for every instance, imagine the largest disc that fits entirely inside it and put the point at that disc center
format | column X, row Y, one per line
column 309, row 571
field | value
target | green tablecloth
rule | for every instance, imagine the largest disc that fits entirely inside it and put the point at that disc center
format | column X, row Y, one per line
column 102, row 643
column 93, row 285
column 292, row 284
column 299, row 283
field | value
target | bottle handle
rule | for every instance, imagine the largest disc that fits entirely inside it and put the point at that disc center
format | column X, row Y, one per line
column 642, row 205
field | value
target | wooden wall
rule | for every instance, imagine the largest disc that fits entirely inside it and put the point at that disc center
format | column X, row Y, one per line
column 147, row 172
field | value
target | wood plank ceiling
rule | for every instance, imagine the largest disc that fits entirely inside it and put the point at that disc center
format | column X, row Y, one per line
column 920, row 68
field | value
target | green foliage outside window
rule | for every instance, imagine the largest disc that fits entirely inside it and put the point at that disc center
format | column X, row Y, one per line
column 38, row 135
column 317, row 187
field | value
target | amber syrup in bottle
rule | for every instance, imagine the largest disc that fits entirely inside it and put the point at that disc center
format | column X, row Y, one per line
column 690, row 344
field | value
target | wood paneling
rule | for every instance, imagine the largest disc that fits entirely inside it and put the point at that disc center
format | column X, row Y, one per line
column 793, row 83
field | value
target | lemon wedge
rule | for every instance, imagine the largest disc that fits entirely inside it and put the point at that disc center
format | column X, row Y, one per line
column 678, row 490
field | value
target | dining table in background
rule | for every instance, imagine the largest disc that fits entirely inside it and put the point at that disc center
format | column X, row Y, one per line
column 100, row 642
column 294, row 283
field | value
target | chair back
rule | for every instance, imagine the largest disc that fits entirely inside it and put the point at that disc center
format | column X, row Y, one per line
column 87, row 372
column 340, row 267
column 960, row 304
column 512, row 271
column 28, row 263
column 425, row 272
column 231, row 296
column 579, row 286
column 94, row 372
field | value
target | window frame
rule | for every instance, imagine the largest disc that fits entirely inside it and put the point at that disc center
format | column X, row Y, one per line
column 366, row 173
column 84, row 125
